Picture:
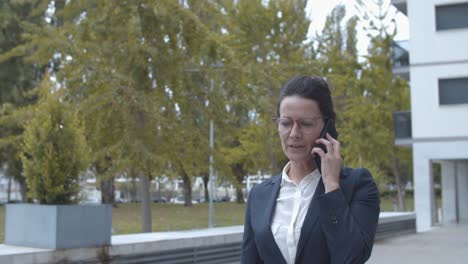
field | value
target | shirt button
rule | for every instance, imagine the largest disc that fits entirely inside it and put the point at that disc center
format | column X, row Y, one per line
column 333, row 217
column 335, row 222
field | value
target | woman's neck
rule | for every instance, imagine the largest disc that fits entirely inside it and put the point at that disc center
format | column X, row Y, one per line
column 298, row 170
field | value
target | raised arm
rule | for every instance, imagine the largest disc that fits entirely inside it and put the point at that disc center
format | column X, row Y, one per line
column 349, row 228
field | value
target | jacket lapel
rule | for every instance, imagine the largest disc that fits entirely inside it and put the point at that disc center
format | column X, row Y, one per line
column 311, row 219
column 272, row 190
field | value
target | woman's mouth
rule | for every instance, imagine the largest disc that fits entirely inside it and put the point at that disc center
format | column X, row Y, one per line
column 296, row 146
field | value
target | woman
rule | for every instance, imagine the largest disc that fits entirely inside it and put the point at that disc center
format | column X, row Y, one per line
column 302, row 215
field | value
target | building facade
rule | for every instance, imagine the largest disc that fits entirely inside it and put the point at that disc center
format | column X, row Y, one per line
column 438, row 76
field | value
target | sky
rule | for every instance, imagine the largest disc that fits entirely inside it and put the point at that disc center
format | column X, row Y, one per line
column 318, row 10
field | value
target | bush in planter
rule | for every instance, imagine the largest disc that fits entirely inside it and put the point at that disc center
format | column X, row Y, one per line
column 54, row 150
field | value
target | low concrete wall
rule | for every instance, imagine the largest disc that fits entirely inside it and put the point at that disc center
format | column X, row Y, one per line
column 58, row 226
column 395, row 224
column 216, row 245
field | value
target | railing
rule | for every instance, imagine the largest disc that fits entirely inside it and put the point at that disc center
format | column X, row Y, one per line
column 210, row 246
column 400, row 59
column 224, row 253
column 402, row 126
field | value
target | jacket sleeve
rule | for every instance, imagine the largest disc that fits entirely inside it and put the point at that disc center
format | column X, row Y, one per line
column 349, row 227
column 249, row 248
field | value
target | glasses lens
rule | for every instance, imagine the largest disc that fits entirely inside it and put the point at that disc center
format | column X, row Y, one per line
column 284, row 124
column 306, row 125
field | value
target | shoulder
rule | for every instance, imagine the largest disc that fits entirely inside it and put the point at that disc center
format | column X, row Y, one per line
column 357, row 178
column 264, row 189
column 356, row 174
column 271, row 180
column 267, row 183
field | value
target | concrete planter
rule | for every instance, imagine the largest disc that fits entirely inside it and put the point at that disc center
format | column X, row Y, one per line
column 58, row 226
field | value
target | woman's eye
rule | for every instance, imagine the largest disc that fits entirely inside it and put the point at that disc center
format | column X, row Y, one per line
column 285, row 123
column 307, row 124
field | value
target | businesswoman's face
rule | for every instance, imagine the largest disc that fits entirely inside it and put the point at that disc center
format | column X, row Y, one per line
column 299, row 125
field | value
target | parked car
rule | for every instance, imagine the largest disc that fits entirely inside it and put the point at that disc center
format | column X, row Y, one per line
column 181, row 200
column 160, row 200
column 178, row 200
column 200, row 200
column 222, row 199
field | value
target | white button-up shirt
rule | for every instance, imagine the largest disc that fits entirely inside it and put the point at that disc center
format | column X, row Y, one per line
column 291, row 208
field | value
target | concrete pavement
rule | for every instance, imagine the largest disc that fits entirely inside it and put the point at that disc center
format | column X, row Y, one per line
column 447, row 244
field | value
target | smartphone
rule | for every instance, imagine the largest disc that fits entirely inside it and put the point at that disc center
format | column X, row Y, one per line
column 329, row 128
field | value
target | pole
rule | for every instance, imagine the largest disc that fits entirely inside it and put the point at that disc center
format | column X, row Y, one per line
column 211, row 180
column 211, row 208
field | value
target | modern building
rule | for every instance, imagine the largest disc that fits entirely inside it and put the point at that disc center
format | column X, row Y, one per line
column 437, row 126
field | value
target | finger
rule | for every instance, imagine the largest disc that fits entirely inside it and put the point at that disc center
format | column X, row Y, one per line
column 336, row 144
column 319, row 152
column 328, row 144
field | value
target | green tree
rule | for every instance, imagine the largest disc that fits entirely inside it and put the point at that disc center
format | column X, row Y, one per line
column 268, row 39
column 338, row 58
column 370, row 130
column 17, row 78
column 54, row 150
column 132, row 82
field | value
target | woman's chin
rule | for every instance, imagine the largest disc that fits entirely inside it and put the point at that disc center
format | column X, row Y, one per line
column 299, row 158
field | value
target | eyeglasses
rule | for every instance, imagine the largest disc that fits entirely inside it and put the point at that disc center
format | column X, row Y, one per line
column 306, row 125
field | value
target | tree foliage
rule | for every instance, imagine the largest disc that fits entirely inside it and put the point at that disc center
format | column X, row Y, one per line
column 146, row 77
column 17, row 78
column 54, row 150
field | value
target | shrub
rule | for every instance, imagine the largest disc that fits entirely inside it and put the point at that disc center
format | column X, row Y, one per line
column 54, row 151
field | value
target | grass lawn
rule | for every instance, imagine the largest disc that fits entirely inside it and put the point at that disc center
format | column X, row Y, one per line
column 126, row 218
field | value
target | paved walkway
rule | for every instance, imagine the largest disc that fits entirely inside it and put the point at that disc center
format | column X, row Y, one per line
column 447, row 244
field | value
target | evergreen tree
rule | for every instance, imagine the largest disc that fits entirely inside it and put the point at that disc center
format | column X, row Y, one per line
column 17, row 78
column 54, row 150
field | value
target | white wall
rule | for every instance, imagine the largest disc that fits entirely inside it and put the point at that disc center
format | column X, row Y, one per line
column 462, row 173
column 429, row 45
column 449, row 199
column 429, row 119
column 423, row 155
column 436, row 55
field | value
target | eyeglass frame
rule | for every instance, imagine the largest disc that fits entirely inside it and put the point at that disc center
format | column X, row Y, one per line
column 275, row 120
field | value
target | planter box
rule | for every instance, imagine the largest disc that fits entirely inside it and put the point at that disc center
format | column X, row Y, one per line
column 58, row 226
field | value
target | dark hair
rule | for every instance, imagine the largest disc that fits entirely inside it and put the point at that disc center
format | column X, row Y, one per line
column 314, row 88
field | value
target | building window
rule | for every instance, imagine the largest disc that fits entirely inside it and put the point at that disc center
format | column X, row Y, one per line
column 453, row 91
column 452, row 16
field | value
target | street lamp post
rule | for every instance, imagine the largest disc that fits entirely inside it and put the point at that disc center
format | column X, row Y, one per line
column 211, row 180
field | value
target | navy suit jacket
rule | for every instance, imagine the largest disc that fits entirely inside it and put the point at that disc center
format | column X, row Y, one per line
column 339, row 226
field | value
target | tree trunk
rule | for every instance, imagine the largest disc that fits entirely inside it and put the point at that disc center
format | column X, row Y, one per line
column 106, row 182
column 239, row 173
column 206, row 178
column 158, row 180
column 239, row 194
column 133, row 189
column 146, row 223
column 9, row 189
column 187, row 188
column 399, row 184
column 23, row 189
column 107, row 190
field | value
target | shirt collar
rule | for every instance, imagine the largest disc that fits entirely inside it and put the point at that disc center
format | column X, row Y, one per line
column 305, row 181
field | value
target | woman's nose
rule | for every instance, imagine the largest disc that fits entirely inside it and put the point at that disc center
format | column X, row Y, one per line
column 295, row 130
